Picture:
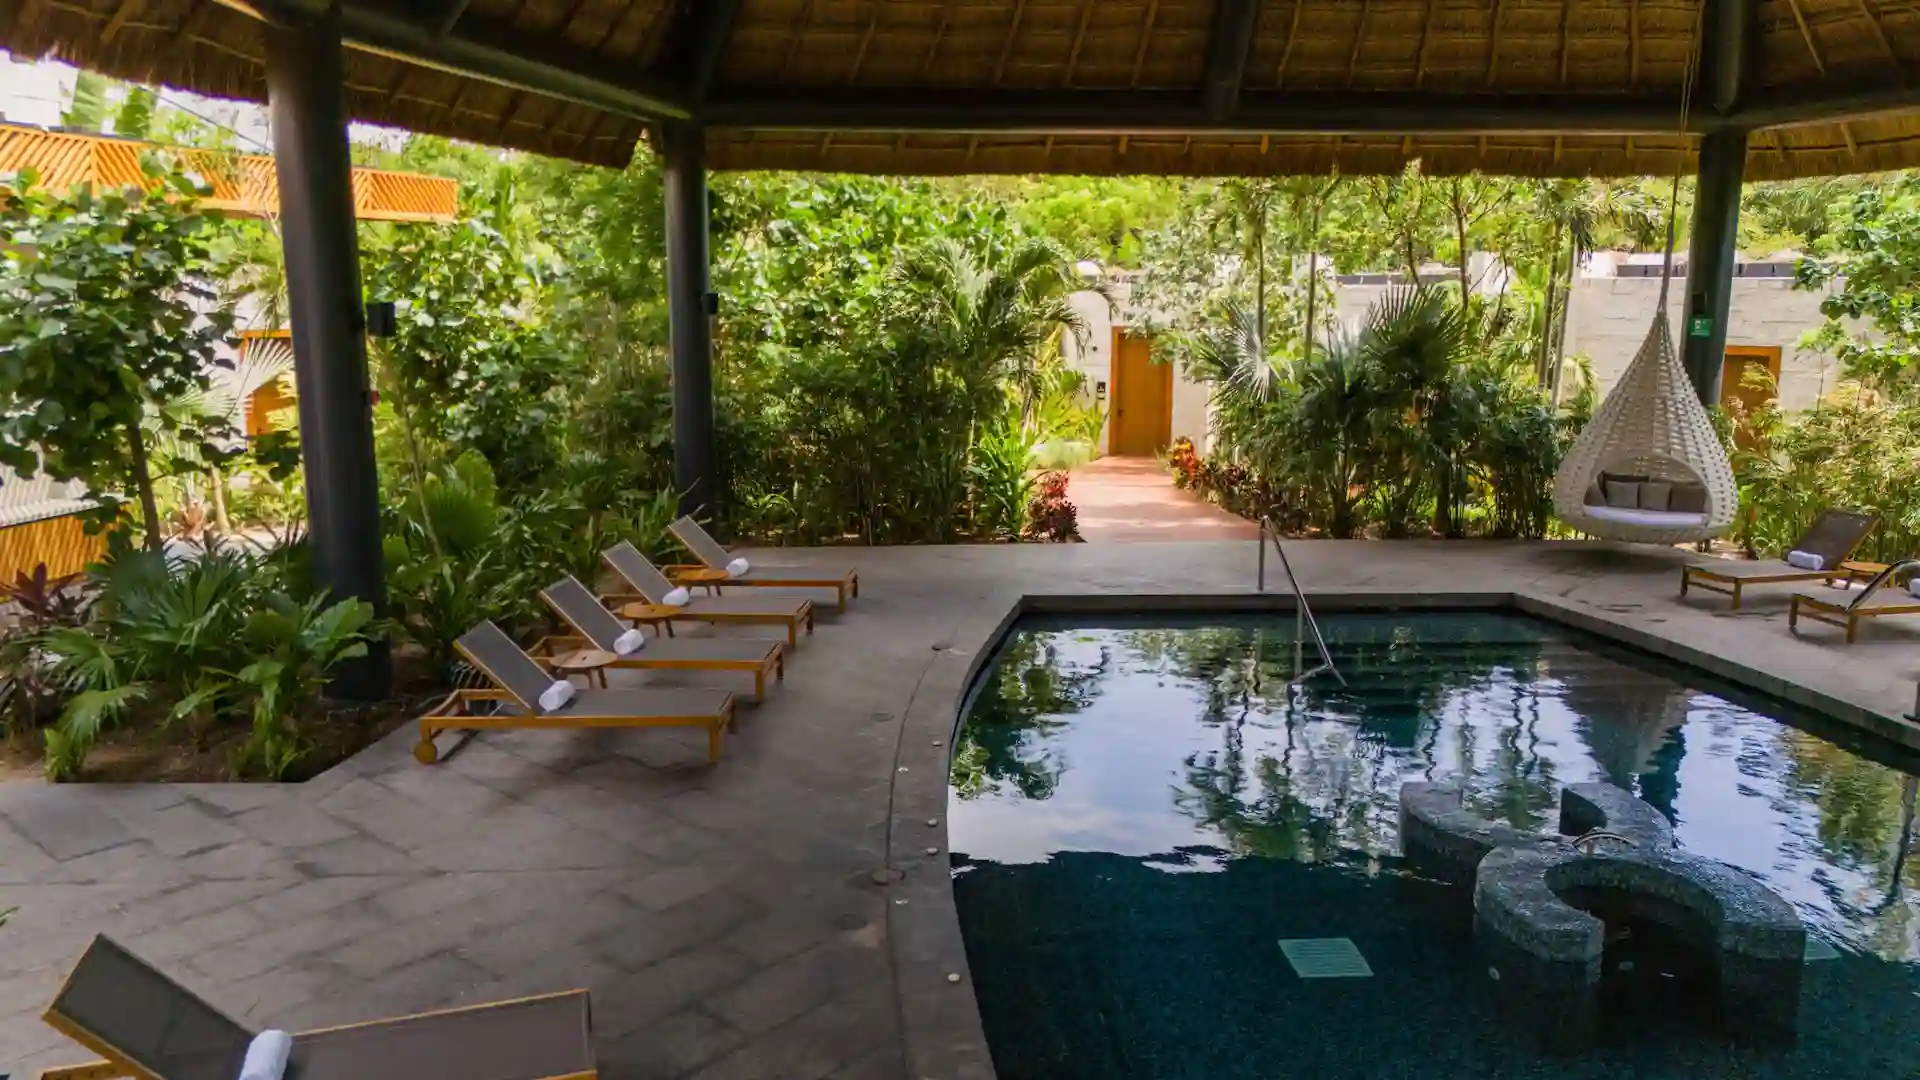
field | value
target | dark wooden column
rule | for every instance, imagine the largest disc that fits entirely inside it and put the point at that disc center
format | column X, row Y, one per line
column 690, row 306
column 1710, row 259
column 305, row 91
column 1729, row 36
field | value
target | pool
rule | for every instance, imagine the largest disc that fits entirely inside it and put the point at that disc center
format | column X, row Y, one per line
column 1141, row 814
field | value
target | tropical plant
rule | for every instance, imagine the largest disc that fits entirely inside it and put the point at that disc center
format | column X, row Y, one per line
column 1051, row 516
column 107, row 313
column 30, row 696
column 294, row 647
column 1002, row 487
column 181, row 641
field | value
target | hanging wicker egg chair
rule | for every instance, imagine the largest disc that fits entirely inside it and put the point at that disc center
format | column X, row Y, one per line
column 1649, row 467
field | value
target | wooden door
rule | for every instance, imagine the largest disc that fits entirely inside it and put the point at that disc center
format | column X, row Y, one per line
column 1142, row 422
column 1740, row 361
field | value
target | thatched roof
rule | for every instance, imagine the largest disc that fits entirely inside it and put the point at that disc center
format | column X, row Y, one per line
column 1544, row 87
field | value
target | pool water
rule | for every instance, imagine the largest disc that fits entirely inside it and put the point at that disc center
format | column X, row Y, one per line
column 1141, row 815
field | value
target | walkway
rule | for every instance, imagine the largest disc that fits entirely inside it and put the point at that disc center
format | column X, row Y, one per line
column 1129, row 500
column 727, row 919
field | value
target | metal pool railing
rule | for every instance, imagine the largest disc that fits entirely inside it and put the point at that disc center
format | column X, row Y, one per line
column 1303, row 619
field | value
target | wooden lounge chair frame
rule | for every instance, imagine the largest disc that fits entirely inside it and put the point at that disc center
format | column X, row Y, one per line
column 1849, row 615
column 845, row 586
column 1706, row 576
column 555, row 646
column 793, row 623
column 111, row 1067
column 454, row 713
column 116, row 1064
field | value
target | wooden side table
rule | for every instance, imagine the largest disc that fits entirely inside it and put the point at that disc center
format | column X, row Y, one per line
column 658, row 616
column 711, row 580
column 1862, row 571
column 591, row 663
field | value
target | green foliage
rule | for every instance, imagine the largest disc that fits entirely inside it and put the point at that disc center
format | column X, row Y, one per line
column 210, row 639
column 1407, row 421
column 295, row 645
column 1873, row 254
column 468, row 369
column 1857, row 450
column 30, row 696
column 106, row 315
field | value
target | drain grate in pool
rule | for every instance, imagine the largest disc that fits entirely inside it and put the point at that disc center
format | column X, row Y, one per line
column 1325, row 958
column 1820, row 949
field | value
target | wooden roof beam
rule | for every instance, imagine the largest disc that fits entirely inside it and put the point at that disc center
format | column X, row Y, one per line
column 488, row 51
column 449, row 16
column 1145, row 112
column 1228, row 45
column 699, row 44
column 1730, row 37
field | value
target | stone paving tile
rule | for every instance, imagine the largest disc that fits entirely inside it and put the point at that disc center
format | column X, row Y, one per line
column 672, row 984
column 66, row 827
column 723, row 917
column 670, row 1047
column 662, row 934
column 839, row 1032
column 793, row 986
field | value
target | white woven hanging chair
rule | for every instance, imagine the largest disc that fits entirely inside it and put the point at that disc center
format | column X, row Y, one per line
column 1653, row 434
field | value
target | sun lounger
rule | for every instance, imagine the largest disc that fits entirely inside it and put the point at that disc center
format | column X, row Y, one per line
column 148, row 1027
column 714, row 557
column 792, row 612
column 519, row 681
column 601, row 631
column 1871, row 603
column 1833, row 536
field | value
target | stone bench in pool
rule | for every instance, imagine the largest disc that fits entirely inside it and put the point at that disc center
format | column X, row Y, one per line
column 1541, row 905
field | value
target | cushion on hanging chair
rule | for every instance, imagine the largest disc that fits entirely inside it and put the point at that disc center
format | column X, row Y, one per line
column 1652, row 519
column 1688, row 499
column 1622, row 495
column 1655, row 494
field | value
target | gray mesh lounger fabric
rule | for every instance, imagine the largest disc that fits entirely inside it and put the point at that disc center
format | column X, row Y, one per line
column 127, row 1011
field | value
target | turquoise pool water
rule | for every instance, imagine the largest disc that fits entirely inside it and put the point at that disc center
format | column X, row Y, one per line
column 1140, row 814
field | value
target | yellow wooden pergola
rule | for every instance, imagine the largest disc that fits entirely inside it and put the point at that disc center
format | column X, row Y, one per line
column 244, row 185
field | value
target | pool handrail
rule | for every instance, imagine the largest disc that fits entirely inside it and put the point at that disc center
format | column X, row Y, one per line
column 1303, row 619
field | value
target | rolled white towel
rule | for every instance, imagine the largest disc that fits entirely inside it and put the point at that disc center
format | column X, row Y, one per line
column 677, row 596
column 738, row 568
column 1913, row 585
column 629, row 643
column 267, row 1056
column 1805, row 560
column 556, row 695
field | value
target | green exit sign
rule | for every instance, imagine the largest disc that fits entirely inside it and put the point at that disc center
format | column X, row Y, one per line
column 1700, row 326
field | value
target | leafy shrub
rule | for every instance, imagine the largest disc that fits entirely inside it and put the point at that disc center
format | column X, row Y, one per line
column 30, row 696
column 1051, row 516
column 202, row 640
column 1407, row 425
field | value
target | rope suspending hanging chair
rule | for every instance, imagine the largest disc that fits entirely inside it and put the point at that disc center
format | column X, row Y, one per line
column 1649, row 467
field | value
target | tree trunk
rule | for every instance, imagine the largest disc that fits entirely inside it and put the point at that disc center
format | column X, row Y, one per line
column 217, row 491
column 1313, row 288
column 1313, row 273
column 143, row 483
column 1260, row 283
column 1460, row 239
column 1546, row 315
column 1566, row 313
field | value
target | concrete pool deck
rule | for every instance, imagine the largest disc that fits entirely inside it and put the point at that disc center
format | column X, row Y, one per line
column 729, row 919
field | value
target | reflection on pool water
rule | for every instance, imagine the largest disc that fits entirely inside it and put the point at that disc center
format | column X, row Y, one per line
column 1141, row 814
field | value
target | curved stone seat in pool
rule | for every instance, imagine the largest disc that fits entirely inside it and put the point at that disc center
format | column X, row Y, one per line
column 1541, row 905
column 1443, row 839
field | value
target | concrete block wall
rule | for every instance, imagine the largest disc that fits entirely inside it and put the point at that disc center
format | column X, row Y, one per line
column 1610, row 316
column 1607, row 322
